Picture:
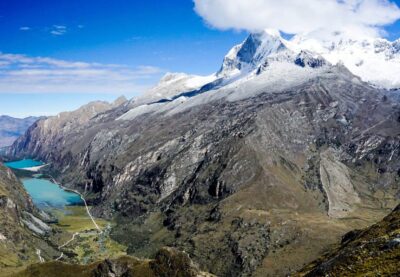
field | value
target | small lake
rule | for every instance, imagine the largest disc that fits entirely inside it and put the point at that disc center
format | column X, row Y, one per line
column 23, row 164
column 45, row 194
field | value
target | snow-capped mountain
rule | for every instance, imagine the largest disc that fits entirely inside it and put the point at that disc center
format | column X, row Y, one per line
column 262, row 60
column 252, row 52
column 267, row 60
column 374, row 60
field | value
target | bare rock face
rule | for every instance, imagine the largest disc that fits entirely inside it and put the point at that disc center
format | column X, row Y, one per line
column 236, row 182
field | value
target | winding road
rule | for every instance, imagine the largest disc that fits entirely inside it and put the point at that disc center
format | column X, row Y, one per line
column 83, row 199
column 38, row 251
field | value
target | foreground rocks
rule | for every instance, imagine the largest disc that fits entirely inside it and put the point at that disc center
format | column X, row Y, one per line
column 167, row 263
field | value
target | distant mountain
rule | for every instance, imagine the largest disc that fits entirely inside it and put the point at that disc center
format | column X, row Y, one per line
column 11, row 128
column 283, row 63
column 252, row 171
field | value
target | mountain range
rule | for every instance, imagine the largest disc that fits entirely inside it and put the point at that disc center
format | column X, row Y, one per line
column 254, row 170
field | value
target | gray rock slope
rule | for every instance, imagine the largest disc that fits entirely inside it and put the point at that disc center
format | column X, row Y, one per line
column 255, row 177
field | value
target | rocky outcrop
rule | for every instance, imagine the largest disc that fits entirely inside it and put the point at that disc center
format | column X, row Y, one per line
column 374, row 251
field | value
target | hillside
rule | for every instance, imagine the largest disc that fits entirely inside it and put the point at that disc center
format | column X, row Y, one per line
column 168, row 262
column 374, row 251
column 22, row 230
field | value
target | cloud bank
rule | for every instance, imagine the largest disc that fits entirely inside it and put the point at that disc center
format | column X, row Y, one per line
column 352, row 17
column 25, row 74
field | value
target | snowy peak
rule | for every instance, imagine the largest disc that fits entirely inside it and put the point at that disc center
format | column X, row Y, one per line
column 259, row 53
column 268, row 59
column 260, row 50
column 251, row 53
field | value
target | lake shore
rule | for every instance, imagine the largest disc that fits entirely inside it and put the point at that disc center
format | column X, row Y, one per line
column 35, row 168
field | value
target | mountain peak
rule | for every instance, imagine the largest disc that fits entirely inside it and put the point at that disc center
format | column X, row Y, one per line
column 251, row 53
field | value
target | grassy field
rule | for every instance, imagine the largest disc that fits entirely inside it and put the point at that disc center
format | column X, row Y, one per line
column 75, row 219
column 89, row 245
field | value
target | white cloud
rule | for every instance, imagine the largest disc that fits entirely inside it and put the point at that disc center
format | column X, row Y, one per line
column 25, row 28
column 353, row 17
column 25, row 74
column 58, row 30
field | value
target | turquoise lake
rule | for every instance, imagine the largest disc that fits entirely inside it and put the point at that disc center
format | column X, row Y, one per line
column 23, row 164
column 45, row 194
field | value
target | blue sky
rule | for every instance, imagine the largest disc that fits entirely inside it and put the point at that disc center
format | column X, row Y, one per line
column 126, row 44
column 166, row 35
